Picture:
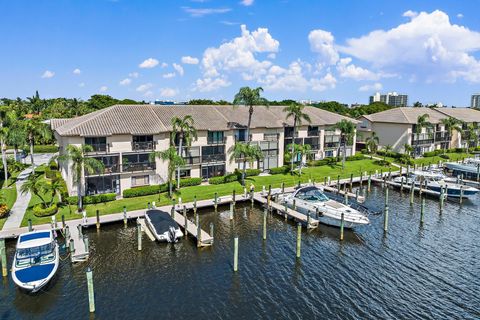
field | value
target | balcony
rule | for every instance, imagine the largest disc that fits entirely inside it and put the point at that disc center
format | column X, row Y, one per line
column 313, row 142
column 107, row 169
column 222, row 140
column 271, row 136
column 313, row 131
column 422, row 139
column 332, row 145
column 144, row 146
column 442, row 137
column 213, row 158
column 145, row 166
column 99, row 148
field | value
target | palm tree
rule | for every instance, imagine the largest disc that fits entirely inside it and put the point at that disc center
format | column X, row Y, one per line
column 247, row 153
column 408, row 149
column 249, row 97
column 36, row 185
column 450, row 124
column 16, row 136
column 386, row 150
column 295, row 111
column 174, row 160
column 372, row 143
column 35, row 128
column 469, row 135
column 37, row 104
column 81, row 164
column 422, row 122
column 185, row 130
column 304, row 150
column 3, row 137
column 347, row 132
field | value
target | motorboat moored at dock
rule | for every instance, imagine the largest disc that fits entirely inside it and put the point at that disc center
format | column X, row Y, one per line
column 311, row 199
column 36, row 260
column 163, row 226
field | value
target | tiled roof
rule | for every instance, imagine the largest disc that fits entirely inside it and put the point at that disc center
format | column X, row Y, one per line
column 152, row 119
column 462, row 114
column 406, row 115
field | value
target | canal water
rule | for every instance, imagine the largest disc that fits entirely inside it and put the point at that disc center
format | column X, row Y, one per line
column 429, row 271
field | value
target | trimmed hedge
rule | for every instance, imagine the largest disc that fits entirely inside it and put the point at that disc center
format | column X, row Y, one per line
column 39, row 211
column 45, row 149
column 230, row 177
column 252, row 172
column 355, row 157
column 444, row 156
column 280, row 170
column 145, row 190
column 189, row 182
column 323, row 162
column 216, row 180
column 99, row 198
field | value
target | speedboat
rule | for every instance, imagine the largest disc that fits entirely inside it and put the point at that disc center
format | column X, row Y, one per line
column 310, row 199
column 162, row 225
column 436, row 181
column 469, row 170
column 36, row 260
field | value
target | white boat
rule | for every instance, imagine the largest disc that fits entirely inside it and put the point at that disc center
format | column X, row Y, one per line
column 435, row 181
column 36, row 260
column 309, row 199
column 162, row 225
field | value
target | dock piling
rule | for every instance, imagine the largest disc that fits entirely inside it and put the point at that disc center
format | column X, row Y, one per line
column 283, row 188
column 125, row 220
column 71, row 248
column 338, row 184
column 80, row 231
column 412, row 192
column 86, row 244
column 63, row 222
column 98, row 219
column 299, row 239
column 369, row 183
column 139, row 235
column 195, row 205
column 235, row 254
column 422, row 210
column 91, row 295
column 385, row 221
column 265, row 224
column 351, row 182
column 342, row 226
column 186, row 220
column 231, row 211
column 442, row 198
column 345, row 197
column 215, row 203
column 199, row 231
column 30, row 228
column 211, row 231
column 461, row 194
column 3, row 250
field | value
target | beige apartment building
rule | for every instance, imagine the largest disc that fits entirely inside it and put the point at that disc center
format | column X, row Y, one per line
column 124, row 136
column 397, row 127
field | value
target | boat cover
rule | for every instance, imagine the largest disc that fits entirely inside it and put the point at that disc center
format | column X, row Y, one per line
column 34, row 273
column 35, row 236
column 161, row 221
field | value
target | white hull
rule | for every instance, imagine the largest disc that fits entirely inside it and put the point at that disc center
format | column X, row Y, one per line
column 165, row 236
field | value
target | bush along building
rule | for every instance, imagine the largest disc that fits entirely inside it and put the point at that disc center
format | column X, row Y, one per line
column 123, row 137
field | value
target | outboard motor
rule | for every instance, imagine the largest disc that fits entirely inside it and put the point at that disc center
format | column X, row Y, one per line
column 172, row 236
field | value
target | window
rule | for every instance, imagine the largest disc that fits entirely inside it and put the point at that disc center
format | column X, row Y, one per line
column 288, row 132
column 97, row 143
column 213, row 153
column 270, row 137
column 215, row 137
column 185, row 173
column 103, row 184
column 110, row 164
column 140, row 180
column 241, row 135
column 213, row 171
column 312, row 131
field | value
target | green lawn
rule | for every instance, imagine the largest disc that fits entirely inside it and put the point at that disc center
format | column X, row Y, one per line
column 208, row 191
column 454, row 156
column 9, row 193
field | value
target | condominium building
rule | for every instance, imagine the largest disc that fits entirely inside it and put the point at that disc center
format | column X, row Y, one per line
column 392, row 99
column 398, row 127
column 123, row 137
column 475, row 101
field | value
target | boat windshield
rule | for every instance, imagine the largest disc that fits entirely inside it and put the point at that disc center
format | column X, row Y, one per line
column 35, row 255
column 312, row 195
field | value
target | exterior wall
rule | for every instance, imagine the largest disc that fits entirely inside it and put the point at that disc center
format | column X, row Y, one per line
column 394, row 134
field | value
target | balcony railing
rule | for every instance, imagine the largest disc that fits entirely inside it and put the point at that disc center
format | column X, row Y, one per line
column 217, row 141
column 332, row 145
column 213, row 157
column 313, row 133
column 107, row 169
column 142, row 146
column 131, row 167
column 442, row 137
column 191, row 160
column 99, row 147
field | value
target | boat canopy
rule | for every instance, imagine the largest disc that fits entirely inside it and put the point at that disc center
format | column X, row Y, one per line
column 34, row 239
column 310, row 194
column 161, row 220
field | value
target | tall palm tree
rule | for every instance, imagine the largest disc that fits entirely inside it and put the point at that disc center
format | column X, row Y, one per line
column 36, row 103
column 16, row 136
column 249, row 97
column 386, row 150
column 174, row 160
column 80, row 164
column 422, row 122
column 450, row 124
column 469, row 136
column 36, row 129
column 185, row 130
column 347, row 132
column 408, row 149
column 247, row 153
column 372, row 143
column 36, row 185
column 295, row 111
column 3, row 137
column 304, row 150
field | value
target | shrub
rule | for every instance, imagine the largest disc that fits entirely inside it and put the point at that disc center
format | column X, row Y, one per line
column 50, row 174
column 145, row 190
column 63, row 188
column 40, row 211
column 364, row 151
column 188, row 182
column 45, row 149
column 216, row 180
column 53, row 165
column 355, row 157
column 383, row 163
column 280, row 170
column 231, row 177
column 99, row 198
column 4, row 210
column 252, row 172
column 445, row 156
column 323, row 162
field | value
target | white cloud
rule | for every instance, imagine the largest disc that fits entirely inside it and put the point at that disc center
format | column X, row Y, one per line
column 377, row 86
column 271, row 56
column 103, row 89
column 134, row 75
column 346, row 69
column 48, row 74
column 144, row 87
column 460, row 15
column 81, row 84
column 77, row 71
column 125, row 82
column 148, row 94
column 410, row 14
column 246, row 3
column 428, row 47
column 149, row 63
column 189, row 60
column 322, row 84
column 322, row 42
column 178, row 68
column 169, row 75
column 164, row 65
column 200, row 12
column 168, row 92
column 209, row 84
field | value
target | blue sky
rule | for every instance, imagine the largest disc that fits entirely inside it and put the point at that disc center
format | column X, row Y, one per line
column 178, row 50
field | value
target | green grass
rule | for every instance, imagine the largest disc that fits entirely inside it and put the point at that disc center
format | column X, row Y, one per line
column 9, row 193
column 423, row 161
column 208, row 191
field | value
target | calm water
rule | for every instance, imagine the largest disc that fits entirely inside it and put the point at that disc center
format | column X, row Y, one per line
column 429, row 272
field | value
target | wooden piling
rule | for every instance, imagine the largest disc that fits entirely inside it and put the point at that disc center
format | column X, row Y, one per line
column 369, row 183
column 345, row 198
column 125, row 219
column 442, row 198
column 385, row 221
column 356, row 194
column 233, row 198
column 211, row 231
column 283, row 188
column 286, row 211
column 98, row 219
column 412, row 192
column 299, row 239
column 3, row 250
column 30, row 228
column 199, row 231
column 308, row 219
column 361, row 179
column 71, row 248
column 186, row 220
column 195, row 205
column 265, row 224
column 91, row 294
column 294, row 205
column 338, row 184
column 235, row 254
column 422, row 209
column 86, row 244
column 461, row 194
column 63, row 222
column 215, row 203
column 351, row 182
column 342, row 225
column 139, row 235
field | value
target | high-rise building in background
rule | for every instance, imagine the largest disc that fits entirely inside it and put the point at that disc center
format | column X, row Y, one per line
column 475, row 102
column 392, row 99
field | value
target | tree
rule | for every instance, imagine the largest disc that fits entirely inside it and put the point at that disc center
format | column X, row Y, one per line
column 304, row 150
column 16, row 136
column 417, row 104
column 295, row 111
column 80, row 164
column 372, row 143
column 173, row 159
column 185, row 130
column 36, row 103
column 422, row 122
column 408, row 149
column 35, row 128
column 246, row 153
column 249, row 97
column 347, row 132
column 469, row 135
column 387, row 149
column 3, row 137
column 450, row 124
column 36, row 185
